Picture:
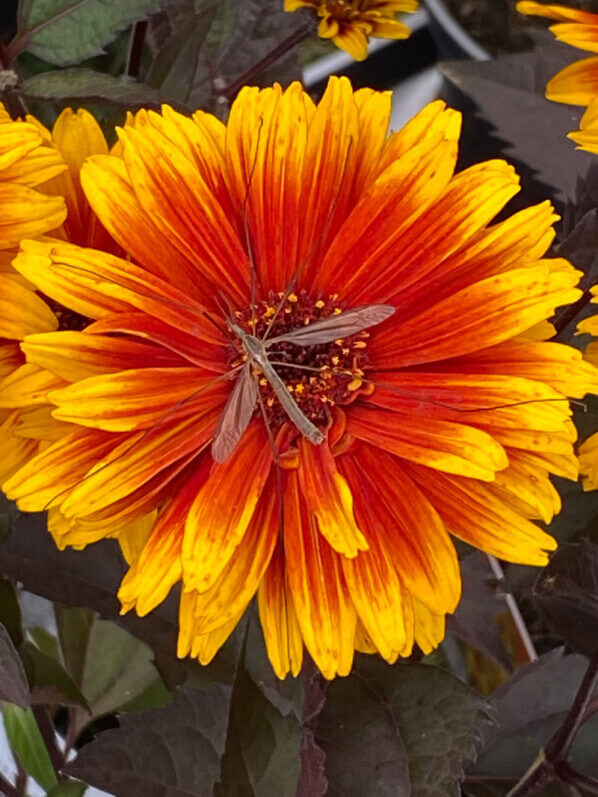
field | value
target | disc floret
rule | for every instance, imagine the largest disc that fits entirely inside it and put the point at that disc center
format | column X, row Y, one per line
column 318, row 376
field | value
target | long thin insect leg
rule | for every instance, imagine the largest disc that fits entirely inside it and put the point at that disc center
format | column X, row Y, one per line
column 268, row 429
column 398, row 391
column 253, row 272
column 434, row 402
column 219, row 327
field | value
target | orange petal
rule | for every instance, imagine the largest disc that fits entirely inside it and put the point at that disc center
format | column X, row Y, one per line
column 235, row 587
column 159, row 565
column 266, row 149
column 370, row 235
column 333, row 151
column 576, row 84
column 329, row 498
column 195, row 349
column 562, row 367
column 222, row 510
column 27, row 385
column 158, row 171
column 108, row 284
column 407, row 526
column 22, row 312
column 375, row 589
column 109, row 191
column 75, row 356
column 554, row 11
column 26, row 213
column 489, row 312
column 16, row 451
column 352, row 40
column 477, row 516
column 44, row 480
column 139, row 399
column 282, row 634
column 442, row 445
column 137, row 460
column 429, row 628
column 324, row 609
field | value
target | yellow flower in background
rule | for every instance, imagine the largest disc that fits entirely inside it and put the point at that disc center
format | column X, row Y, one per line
column 350, row 23
column 25, row 164
column 50, row 161
column 446, row 419
column 576, row 84
column 587, row 135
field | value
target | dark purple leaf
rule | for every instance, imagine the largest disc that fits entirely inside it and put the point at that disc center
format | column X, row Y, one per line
column 168, row 752
column 405, row 729
column 508, row 93
column 13, row 680
column 566, row 593
column 312, row 780
column 528, row 710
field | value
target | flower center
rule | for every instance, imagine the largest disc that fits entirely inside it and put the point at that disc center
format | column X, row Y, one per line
column 319, row 375
column 344, row 10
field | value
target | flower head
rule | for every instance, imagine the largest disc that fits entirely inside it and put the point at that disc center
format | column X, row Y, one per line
column 25, row 163
column 576, row 84
column 445, row 418
column 350, row 23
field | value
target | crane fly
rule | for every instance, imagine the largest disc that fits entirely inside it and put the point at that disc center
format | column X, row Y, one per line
column 240, row 406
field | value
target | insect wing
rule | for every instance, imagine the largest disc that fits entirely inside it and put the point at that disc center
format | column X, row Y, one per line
column 235, row 417
column 342, row 325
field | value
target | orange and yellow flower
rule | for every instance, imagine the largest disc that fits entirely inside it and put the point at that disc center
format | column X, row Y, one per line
column 576, row 84
column 446, row 419
column 53, row 167
column 350, row 23
column 25, row 164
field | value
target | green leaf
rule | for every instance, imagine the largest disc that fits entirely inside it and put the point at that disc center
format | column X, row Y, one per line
column 69, row 788
column 44, row 641
column 155, row 695
column 50, row 682
column 13, row 681
column 78, row 85
column 66, row 32
column 27, row 745
column 402, row 729
column 110, row 667
column 263, row 746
